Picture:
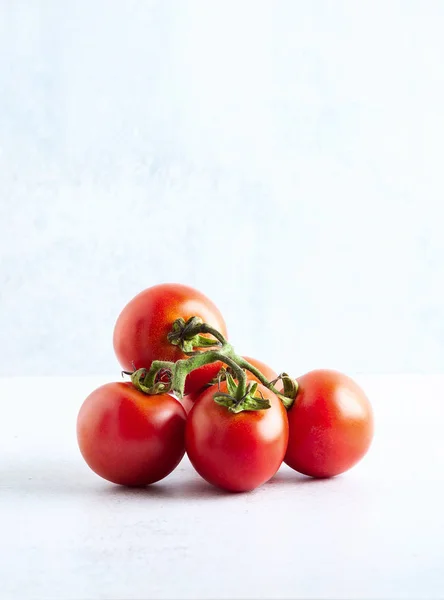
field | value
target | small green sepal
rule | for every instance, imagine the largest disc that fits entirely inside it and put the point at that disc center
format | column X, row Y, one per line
column 290, row 386
column 248, row 402
column 138, row 379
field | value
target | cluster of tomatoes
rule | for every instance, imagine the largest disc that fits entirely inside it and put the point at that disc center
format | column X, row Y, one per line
column 236, row 419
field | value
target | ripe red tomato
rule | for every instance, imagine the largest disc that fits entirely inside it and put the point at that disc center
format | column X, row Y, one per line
column 236, row 452
column 331, row 424
column 128, row 437
column 140, row 333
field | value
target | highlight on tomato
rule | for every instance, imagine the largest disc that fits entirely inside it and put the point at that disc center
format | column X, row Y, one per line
column 142, row 328
column 330, row 424
column 131, row 438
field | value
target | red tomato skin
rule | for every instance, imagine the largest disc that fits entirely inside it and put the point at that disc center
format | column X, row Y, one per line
column 128, row 437
column 140, row 333
column 330, row 423
column 188, row 401
column 236, row 452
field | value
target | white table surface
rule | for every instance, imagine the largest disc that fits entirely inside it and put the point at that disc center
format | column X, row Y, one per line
column 375, row 532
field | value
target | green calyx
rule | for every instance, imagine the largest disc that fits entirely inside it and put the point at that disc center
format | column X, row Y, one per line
column 236, row 404
column 188, row 335
column 291, row 386
column 163, row 376
column 153, row 381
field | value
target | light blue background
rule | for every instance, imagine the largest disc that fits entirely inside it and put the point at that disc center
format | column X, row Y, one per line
column 286, row 158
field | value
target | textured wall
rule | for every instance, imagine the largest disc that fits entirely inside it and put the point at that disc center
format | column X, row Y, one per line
column 284, row 157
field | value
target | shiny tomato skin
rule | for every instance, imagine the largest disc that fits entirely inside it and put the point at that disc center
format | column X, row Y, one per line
column 236, row 452
column 331, row 424
column 140, row 333
column 128, row 437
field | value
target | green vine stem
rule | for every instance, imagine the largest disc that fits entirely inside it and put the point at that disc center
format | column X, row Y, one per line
column 287, row 401
column 189, row 336
column 185, row 366
column 145, row 379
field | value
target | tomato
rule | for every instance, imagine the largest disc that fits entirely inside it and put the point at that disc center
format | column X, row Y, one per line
column 140, row 333
column 331, row 424
column 236, row 452
column 128, row 437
